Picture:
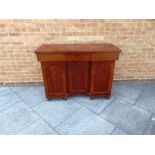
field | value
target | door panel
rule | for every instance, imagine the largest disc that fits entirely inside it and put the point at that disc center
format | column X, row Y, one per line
column 101, row 78
column 78, row 77
column 54, row 74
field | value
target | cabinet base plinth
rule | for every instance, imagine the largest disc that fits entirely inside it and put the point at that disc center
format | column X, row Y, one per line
column 91, row 96
column 51, row 97
column 108, row 97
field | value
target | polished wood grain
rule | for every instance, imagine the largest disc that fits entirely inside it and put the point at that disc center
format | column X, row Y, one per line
column 77, row 48
column 77, row 69
column 100, row 56
column 54, row 74
column 78, row 77
column 101, row 78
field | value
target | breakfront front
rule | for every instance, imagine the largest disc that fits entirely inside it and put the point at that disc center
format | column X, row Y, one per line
column 77, row 69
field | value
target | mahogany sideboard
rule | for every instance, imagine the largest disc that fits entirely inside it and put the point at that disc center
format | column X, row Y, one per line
column 77, row 69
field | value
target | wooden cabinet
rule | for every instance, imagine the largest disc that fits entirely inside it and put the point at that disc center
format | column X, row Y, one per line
column 77, row 69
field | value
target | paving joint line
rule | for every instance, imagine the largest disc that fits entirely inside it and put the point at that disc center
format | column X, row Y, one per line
column 135, row 106
column 27, row 126
column 139, row 96
column 10, row 107
column 35, row 111
column 107, row 106
column 68, row 118
column 109, row 121
column 117, row 126
column 147, row 126
column 92, row 110
column 113, row 130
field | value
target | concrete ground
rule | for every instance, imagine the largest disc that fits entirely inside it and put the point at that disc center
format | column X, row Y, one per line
column 130, row 111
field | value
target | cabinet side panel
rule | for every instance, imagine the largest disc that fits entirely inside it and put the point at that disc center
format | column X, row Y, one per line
column 44, row 73
column 112, row 66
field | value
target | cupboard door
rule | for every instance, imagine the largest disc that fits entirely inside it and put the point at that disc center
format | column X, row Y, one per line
column 101, row 78
column 54, row 74
column 78, row 77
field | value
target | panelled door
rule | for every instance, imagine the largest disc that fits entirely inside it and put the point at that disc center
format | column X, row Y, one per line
column 54, row 74
column 78, row 77
column 101, row 78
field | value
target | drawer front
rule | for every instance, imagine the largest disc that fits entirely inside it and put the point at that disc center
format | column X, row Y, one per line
column 104, row 56
column 78, row 57
column 64, row 57
column 51, row 57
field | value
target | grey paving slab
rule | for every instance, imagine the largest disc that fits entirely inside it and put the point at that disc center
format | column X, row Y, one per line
column 32, row 95
column 96, row 104
column 4, row 91
column 18, row 89
column 127, row 117
column 126, row 92
column 22, row 88
column 150, row 130
column 85, row 122
column 39, row 127
column 56, row 110
column 118, row 131
column 16, row 118
column 6, row 101
column 146, row 86
column 147, row 101
column 69, row 118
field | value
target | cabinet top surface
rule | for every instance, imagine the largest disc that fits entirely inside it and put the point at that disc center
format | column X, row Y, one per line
column 76, row 48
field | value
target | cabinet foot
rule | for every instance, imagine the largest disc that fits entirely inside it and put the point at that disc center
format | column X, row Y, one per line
column 107, row 97
column 65, row 98
column 91, row 97
column 48, row 99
